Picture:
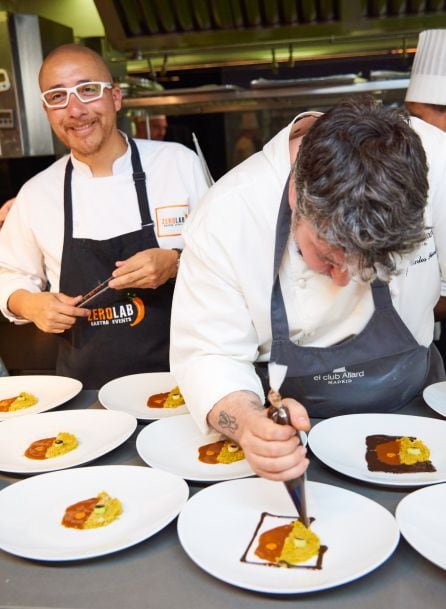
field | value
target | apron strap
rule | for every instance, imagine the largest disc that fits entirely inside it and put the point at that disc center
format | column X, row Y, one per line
column 68, row 208
column 381, row 295
column 139, row 178
column 279, row 320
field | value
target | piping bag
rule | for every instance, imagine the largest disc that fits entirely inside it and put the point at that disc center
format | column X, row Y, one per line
column 280, row 414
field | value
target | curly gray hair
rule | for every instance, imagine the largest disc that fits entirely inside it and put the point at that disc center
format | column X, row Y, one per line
column 361, row 182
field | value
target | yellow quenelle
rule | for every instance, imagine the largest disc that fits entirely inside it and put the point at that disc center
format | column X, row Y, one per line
column 174, row 398
column 300, row 545
column 105, row 511
column 23, row 400
column 230, row 453
column 63, row 443
column 413, row 451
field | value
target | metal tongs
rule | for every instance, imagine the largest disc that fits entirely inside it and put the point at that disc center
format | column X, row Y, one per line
column 101, row 287
column 280, row 414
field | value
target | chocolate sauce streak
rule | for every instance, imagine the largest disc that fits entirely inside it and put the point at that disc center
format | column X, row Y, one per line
column 280, row 533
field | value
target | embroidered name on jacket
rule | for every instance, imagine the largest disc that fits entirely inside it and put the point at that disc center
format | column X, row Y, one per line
column 130, row 312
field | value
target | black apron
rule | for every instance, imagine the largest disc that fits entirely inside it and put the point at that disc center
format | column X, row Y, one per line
column 127, row 331
column 380, row 369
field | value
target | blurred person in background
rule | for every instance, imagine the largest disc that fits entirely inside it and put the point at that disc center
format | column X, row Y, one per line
column 426, row 99
column 112, row 208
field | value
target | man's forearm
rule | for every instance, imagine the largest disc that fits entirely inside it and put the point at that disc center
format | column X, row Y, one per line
column 17, row 303
column 229, row 415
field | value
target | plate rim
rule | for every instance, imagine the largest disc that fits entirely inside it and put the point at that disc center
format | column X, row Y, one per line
column 201, row 479
column 140, row 416
column 402, row 504
column 391, row 482
column 160, row 525
column 77, row 388
column 308, row 589
column 425, row 390
column 133, row 423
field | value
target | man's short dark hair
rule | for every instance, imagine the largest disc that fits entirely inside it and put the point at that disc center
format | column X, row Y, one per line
column 361, row 182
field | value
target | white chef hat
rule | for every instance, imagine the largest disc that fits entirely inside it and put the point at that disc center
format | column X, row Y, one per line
column 427, row 83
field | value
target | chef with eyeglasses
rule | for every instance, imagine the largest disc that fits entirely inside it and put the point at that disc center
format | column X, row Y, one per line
column 113, row 208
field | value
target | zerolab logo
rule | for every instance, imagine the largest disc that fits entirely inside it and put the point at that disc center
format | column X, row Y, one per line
column 130, row 311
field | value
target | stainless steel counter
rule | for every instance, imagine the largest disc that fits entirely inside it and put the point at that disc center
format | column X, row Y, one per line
column 157, row 574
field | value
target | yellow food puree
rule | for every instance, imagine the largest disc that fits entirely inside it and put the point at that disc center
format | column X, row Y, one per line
column 23, row 400
column 174, row 398
column 105, row 511
column 230, row 453
column 412, row 451
column 300, row 545
column 63, row 443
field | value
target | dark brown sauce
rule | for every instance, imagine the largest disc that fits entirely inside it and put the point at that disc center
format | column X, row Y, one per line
column 37, row 449
column 209, row 452
column 380, row 449
column 77, row 514
column 6, row 403
column 157, row 400
column 277, row 537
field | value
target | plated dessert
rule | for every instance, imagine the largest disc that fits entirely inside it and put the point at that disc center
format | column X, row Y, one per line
column 222, row 451
column 92, row 513
column 283, row 541
column 397, row 454
column 22, row 400
column 169, row 399
column 47, row 448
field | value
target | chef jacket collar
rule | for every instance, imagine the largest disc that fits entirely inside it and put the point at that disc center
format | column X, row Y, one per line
column 122, row 164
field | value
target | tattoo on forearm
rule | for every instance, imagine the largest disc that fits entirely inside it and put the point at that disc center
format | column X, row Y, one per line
column 226, row 421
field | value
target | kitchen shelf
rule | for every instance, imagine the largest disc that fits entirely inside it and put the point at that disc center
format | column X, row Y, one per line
column 227, row 98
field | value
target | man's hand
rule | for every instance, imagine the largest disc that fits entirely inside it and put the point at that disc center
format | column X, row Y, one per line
column 50, row 312
column 272, row 450
column 147, row 269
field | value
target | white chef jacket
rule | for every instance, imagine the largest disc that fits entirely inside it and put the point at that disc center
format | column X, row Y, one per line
column 31, row 240
column 221, row 309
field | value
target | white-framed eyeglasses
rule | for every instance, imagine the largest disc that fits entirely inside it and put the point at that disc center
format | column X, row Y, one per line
column 85, row 92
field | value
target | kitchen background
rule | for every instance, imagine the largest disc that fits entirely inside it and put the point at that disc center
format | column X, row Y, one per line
column 229, row 71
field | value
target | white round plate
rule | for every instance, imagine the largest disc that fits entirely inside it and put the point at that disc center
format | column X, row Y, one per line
column 130, row 394
column 340, row 443
column 97, row 432
column 420, row 516
column 32, row 511
column 435, row 397
column 50, row 391
column 217, row 526
column 172, row 445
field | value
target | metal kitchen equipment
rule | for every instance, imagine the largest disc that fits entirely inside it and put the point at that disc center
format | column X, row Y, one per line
column 25, row 40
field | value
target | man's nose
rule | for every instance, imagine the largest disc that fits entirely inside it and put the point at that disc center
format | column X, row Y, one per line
column 75, row 104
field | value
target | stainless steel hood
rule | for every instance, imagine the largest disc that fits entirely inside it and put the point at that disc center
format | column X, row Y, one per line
column 227, row 32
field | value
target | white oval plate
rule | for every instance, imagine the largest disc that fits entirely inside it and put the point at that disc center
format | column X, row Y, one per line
column 50, row 391
column 421, row 518
column 172, row 445
column 339, row 442
column 97, row 431
column 435, row 397
column 217, row 524
column 130, row 394
column 32, row 511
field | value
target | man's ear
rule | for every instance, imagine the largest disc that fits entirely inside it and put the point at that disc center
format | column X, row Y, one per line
column 117, row 97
